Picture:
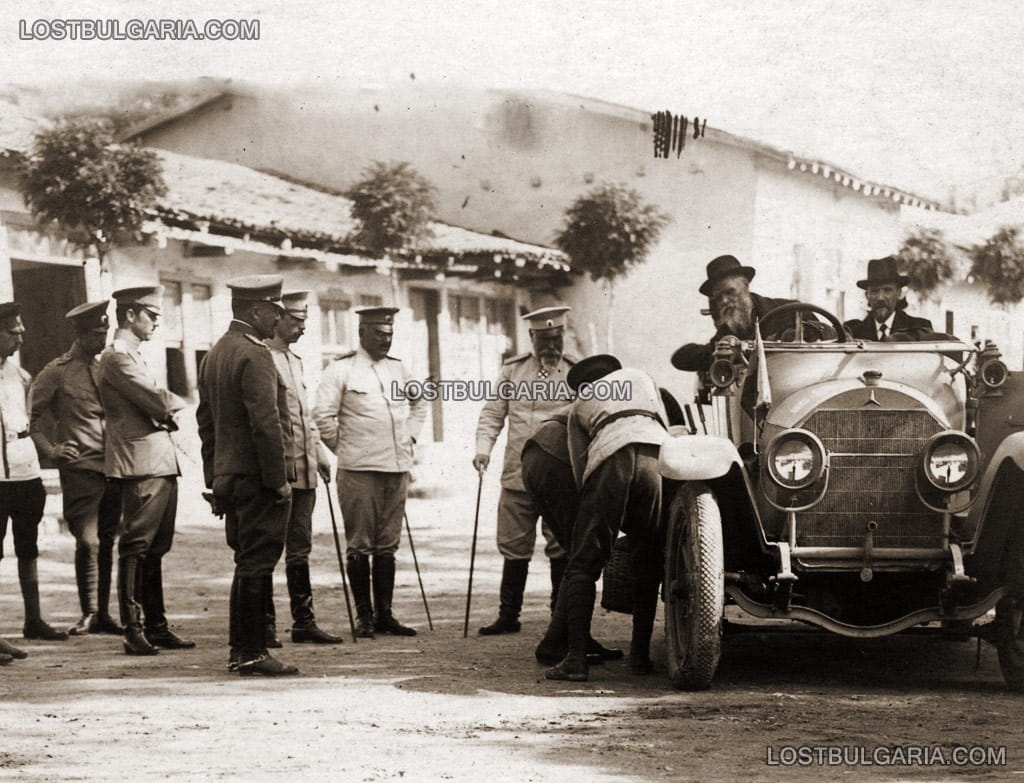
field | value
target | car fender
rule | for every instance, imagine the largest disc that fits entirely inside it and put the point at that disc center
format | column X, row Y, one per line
column 1003, row 476
column 697, row 457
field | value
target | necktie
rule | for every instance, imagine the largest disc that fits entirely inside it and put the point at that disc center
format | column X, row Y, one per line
column 882, row 329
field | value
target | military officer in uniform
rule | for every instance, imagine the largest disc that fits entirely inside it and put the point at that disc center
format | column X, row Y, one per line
column 246, row 435
column 22, row 496
column 887, row 318
column 517, row 512
column 311, row 458
column 140, row 455
column 66, row 390
column 372, row 429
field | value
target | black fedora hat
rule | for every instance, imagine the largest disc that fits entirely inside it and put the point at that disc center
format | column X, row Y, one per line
column 724, row 266
column 591, row 369
column 882, row 271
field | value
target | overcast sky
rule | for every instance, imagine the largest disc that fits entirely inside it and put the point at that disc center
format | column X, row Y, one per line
column 926, row 95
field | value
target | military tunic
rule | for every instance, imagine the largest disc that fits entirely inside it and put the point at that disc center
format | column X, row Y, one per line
column 538, row 396
column 363, row 415
column 22, row 497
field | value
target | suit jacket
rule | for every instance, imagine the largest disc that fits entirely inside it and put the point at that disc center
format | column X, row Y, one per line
column 696, row 357
column 904, row 328
column 139, row 415
column 243, row 411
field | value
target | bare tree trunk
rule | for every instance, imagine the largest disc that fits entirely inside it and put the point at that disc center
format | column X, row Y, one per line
column 608, row 316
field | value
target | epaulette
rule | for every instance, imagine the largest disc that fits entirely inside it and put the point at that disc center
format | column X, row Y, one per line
column 347, row 355
column 569, row 358
column 518, row 358
column 257, row 341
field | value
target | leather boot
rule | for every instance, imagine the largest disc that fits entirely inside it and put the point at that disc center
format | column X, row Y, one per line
column 580, row 609
column 85, row 580
column 646, row 580
column 300, row 591
column 234, row 637
column 5, row 659
column 513, row 583
column 383, row 590
column 270, row 618
column 157, row 631
column 253, row 658
column 6, row 648
column 129, row 582
column 103, row 622
column 35, row 627
column 359, row 580
column 558, row 565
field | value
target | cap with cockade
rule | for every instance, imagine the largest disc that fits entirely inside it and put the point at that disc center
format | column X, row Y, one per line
column 257, row 288
column 149, row 296
column 296, row 304
column 89, row 315
column 547, row 318
column 383, row 318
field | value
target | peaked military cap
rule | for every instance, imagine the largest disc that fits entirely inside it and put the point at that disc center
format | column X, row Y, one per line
column 296, row 304
column 257, row 288
column 149, row 296
column 591, row 369
column 378, row 316
column 89, row 315
column 547, row 318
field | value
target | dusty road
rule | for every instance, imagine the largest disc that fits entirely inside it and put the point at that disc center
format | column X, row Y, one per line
column 440, row 708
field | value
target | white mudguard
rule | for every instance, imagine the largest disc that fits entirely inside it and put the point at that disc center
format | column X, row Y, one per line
column 696, row 457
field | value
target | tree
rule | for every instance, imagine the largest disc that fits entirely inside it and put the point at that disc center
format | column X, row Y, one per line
column 607, row 231
column 96, row 191
column 999, row 264
column 392, row 205
column 924, row 257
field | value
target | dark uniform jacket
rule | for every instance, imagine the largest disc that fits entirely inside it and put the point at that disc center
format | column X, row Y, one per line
column 695, row 357
column 67, row 389
column 138, row 414
column 243, row 411
column 904, row 328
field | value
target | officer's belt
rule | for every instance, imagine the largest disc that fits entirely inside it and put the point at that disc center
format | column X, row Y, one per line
column 621, row 415
column 13, row 436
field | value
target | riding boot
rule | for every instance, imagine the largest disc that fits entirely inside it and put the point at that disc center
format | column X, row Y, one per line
column 513, row 583
column 300, row 591
column 645, row 607
column 103, row 622
column 234, row 635
column 359, row 579
column 553, row 647
column 270, row 617
column 157, row 630
column 383, row 590
column 128, row 593
column 253, row 658
column 580, row 607
column 85, row 580
column 35, row 627
column 558, row 565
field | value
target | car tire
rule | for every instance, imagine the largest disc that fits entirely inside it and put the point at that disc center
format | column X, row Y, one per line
column 694, row 587
column 1010, row 641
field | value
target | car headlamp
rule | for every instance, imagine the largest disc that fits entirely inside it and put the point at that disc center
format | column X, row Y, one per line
column 951, row 461
column 796, row 459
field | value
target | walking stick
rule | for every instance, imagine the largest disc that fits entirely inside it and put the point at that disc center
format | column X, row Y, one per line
column 415, row 562
column 472, row 556
column 341, row 564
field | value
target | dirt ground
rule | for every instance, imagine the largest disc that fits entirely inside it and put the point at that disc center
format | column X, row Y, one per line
column 442, row 708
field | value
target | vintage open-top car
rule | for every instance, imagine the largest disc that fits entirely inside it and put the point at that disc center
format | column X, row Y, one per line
column 862, row 487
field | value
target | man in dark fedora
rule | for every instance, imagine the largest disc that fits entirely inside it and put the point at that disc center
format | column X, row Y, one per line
column 887, row 318
column 734, row 309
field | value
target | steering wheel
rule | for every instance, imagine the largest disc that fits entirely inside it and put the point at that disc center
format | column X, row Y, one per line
column 798, row 330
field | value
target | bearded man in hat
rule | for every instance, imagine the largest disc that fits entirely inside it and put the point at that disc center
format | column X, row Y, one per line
column 613, row 448
column 734, row 309
column 140, row 455
column 518, row 513
column 372, row 430
column 246, row 436
column 887, row 318
column 66, row 391
column 22, row 496
column 311, row 458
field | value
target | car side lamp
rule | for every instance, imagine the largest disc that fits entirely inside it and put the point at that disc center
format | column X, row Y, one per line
column 726, row 358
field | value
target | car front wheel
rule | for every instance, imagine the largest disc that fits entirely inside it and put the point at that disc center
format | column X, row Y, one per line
column 694, row 587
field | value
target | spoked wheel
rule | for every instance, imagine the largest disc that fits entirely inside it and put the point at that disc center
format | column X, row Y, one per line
column 1010, row 641
column 694, row 587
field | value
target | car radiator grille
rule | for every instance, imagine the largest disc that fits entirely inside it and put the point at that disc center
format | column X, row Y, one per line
column 874, row 456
